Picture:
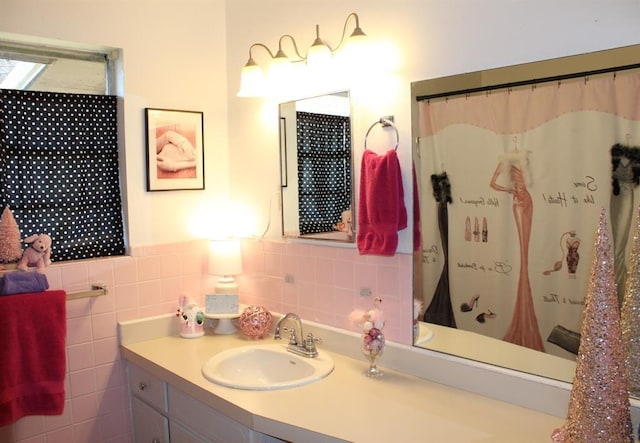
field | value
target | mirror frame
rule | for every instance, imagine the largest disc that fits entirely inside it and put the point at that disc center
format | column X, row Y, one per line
column 330, row 236
column 557, row 69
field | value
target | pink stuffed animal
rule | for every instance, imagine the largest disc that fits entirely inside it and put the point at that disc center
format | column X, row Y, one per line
column 38, row 254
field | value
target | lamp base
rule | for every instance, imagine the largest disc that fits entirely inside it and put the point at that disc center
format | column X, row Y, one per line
column 226, row 285
column 225, row 326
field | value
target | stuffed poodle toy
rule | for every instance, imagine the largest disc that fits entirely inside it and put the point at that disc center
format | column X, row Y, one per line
column 38, row 253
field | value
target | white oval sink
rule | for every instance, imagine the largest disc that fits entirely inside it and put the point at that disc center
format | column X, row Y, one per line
column 265, row 367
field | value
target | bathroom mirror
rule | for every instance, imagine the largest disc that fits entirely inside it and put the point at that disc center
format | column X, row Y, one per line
column 316, row 168
column 513, row 167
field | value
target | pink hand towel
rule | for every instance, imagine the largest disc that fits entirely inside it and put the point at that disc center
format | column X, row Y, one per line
column 33, row 329
column 381, row 208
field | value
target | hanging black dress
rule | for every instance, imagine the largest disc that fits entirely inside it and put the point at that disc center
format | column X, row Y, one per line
column 440, row 311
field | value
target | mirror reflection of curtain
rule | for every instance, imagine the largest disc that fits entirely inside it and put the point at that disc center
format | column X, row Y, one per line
column 625, row 175
column 440, row 311
column 324, row 170
column 513, row 296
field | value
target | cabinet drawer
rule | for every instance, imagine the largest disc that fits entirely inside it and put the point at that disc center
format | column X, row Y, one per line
column 149, row 426
column 181, row 435
column 148, row 388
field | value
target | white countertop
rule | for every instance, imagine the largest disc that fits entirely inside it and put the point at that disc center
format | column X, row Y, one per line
column 345, row 406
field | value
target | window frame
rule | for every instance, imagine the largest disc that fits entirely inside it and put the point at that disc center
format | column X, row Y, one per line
column 29, row 48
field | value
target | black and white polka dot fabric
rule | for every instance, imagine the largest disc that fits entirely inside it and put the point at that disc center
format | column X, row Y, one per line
column 59, row 170
column 324, row 170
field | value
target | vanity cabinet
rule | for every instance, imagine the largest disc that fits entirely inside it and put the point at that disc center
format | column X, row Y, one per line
column 148, row 407
column 162, row 413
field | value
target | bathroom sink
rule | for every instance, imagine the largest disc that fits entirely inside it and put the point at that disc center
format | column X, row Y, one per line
column 265, row 367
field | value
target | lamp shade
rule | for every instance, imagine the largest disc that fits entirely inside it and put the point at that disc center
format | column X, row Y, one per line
column 319, row 57
column 319, row 54
column 225, row 257
column 252, row 81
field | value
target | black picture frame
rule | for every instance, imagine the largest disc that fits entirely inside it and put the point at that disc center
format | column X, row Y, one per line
column 174, row 149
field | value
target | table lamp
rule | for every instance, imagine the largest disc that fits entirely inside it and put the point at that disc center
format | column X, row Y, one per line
column 225, row 261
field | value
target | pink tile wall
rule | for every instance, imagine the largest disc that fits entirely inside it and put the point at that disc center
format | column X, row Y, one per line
column 325, row 288
column 326, row 284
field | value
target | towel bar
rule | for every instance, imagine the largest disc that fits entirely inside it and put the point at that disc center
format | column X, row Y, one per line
column 385, row 122
column 95, row 291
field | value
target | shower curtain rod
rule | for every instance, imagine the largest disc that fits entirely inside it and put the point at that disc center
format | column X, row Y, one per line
column 533, row 81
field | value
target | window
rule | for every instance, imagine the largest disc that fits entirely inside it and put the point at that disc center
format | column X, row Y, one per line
column 58, row 150
column 41, row 68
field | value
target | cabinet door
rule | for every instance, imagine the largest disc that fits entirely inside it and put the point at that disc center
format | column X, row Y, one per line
column 149, row 426
column 181, row 435
column 205, row 421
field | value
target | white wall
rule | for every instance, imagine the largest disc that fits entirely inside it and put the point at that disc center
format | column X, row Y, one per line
column 173, row 57
column 423, row 39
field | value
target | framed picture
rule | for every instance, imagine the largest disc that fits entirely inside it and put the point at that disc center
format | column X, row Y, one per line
column 175, row 149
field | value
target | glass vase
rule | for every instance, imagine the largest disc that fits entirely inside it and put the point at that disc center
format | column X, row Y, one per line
column 372, row 347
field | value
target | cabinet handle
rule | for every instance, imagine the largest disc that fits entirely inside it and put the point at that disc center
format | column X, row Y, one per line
column 156, row 440
column 142, row 387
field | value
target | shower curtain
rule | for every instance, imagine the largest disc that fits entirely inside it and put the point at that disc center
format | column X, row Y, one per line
column 532, row 164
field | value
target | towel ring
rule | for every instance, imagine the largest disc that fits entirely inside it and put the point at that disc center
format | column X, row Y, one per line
column 384, row 122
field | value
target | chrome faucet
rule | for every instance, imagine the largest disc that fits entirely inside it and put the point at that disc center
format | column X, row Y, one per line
column 305, row 347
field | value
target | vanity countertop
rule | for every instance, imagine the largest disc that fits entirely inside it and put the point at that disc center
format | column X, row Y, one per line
column 345, row 406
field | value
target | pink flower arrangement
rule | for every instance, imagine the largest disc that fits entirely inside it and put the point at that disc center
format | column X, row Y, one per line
column 372, row 337
column 373, row 340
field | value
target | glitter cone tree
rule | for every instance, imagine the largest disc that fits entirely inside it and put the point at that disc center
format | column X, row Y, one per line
column 10, row 245
column 599, row 408
column 630, row 315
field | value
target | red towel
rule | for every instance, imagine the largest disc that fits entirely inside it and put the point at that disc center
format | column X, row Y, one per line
column 33, row 328
column 381, row 208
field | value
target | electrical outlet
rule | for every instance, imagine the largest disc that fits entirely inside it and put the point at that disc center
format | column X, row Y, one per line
column 365, row 292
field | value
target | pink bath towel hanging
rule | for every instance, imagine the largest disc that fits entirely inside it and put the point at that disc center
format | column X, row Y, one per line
column 381, row 208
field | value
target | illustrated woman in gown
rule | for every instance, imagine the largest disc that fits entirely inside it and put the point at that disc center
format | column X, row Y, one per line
column 440, row 311
column 514, row 169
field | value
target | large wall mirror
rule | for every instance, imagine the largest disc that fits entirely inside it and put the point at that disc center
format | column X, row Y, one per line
column 316, row 165
column 514, row 166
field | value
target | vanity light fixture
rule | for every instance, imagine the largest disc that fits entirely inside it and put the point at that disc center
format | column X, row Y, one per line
column 252, row 79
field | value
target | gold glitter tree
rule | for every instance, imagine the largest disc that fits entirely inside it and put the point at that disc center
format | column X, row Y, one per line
column 10, row 244
column 630, row 315
column 599, row 408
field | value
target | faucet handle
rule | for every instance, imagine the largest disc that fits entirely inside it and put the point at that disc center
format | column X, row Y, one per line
column 310, row 342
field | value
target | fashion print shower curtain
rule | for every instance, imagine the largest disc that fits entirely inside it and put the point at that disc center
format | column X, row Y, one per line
column 529, row 170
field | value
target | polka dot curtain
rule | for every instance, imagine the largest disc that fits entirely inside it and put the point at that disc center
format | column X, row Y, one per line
column 324, row 170
column 59, row 170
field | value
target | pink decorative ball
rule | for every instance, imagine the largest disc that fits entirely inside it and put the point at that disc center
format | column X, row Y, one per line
column 255, row 321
